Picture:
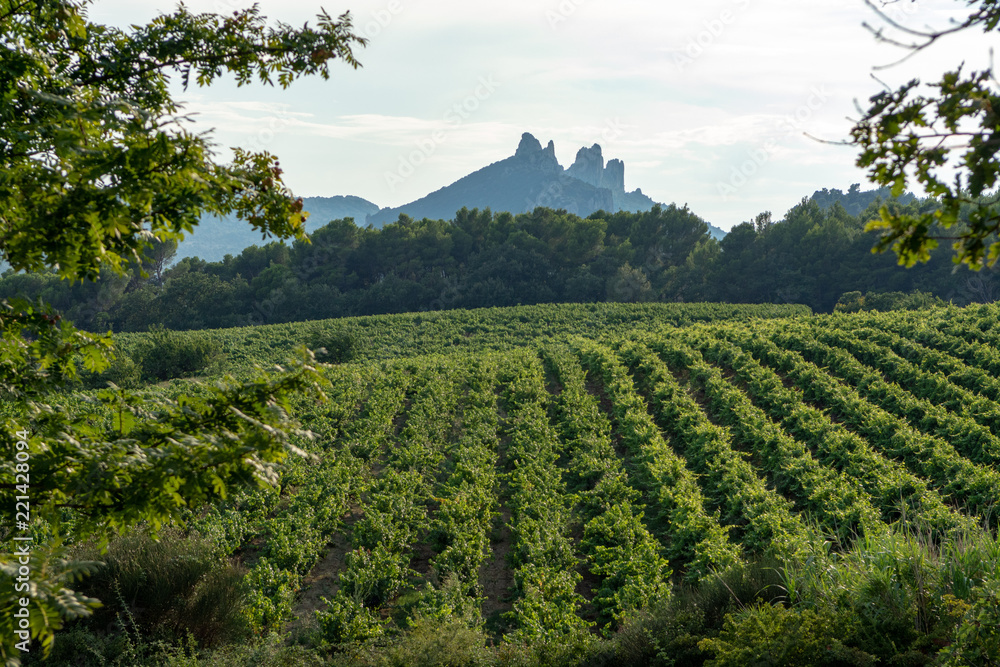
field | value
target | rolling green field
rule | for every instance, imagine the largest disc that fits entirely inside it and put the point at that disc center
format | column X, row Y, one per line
column 381, row 337
column 651, row 484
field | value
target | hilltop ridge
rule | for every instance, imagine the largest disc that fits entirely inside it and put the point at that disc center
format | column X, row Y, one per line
column 531, row 177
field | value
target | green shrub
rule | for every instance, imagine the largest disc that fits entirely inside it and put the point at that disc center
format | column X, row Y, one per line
column 213, row 612
column 852, row 302
column 375, row 575
column 977, row 639
column 665, row 634
column 347, row 620
column 176, row 584
column 123, row 372
column 578, row 647
column 668, row 633
column 774, row 635
column 81, row 646
column 442, row 642
column 884, row 608
column 451, row 599
column 164, row 354
column 150, row 573
column 271, row 651
column 270, row 596
column 334, row 344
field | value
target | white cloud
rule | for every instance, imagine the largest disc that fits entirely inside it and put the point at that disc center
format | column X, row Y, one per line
column 605, row 62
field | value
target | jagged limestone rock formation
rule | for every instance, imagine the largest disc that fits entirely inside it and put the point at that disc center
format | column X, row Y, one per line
column 530, row 178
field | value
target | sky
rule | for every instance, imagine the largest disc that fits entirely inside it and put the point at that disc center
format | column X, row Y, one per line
column 732, row 107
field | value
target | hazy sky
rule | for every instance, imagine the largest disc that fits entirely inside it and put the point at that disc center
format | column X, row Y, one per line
column 706, row 102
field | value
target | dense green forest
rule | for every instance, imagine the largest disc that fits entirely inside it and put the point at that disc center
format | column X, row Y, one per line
column 813, row 256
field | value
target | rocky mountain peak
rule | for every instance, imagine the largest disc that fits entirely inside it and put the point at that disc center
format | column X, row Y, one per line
column 613, row 177
column 530, row 178
column 589, row 167
column 528, row 145
column 529, row 151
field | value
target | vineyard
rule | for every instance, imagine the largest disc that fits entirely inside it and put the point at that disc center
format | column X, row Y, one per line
column 581, row 492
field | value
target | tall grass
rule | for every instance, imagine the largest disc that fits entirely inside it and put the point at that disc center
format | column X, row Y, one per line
column 177, row 584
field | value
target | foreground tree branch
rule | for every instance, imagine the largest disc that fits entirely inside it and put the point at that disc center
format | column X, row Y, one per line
column 97, row 171
column 907, row 136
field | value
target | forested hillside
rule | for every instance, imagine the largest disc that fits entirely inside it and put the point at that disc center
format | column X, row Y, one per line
column 216, row 237
column 856, row 200
column 813, row 256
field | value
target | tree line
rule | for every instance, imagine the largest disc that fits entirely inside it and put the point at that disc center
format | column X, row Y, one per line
column 478, row 259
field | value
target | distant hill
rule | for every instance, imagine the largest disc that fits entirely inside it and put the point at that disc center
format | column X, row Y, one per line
column 215, row 237
column 856, row 200
column 530, row 178
column 716, row 233
column 324, row 209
